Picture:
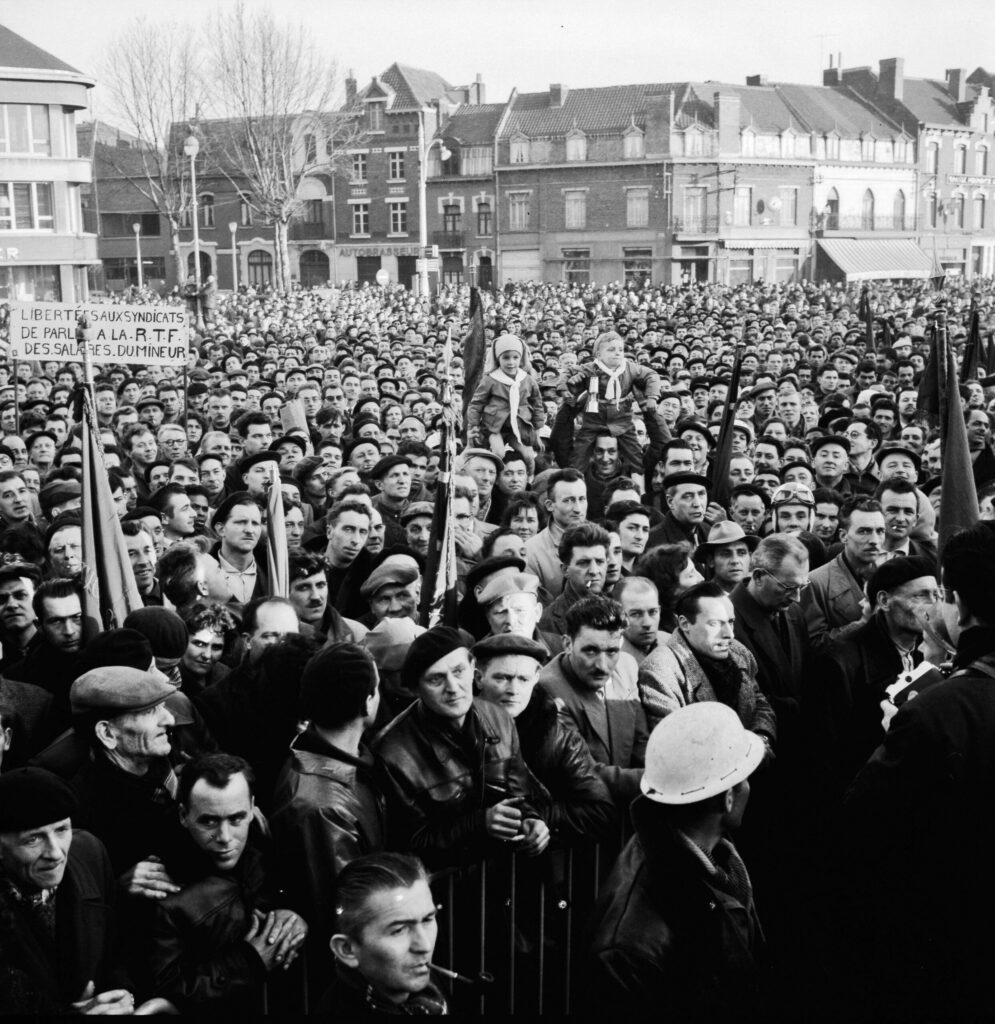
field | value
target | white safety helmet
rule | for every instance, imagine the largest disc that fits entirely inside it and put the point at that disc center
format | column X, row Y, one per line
column 697, row 752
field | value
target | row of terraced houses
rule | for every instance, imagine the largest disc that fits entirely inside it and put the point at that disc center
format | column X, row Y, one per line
column 872, row 174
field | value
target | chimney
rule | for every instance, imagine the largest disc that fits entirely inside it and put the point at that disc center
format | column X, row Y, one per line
column 831, row 75
column 727, row 122
column 756, row 80
column 477, row 91
column 557, row 95
column 891, row 77
column 957, row 84
column 350, row 88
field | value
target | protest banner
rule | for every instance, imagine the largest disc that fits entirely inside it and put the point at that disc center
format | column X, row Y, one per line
column 147, row 335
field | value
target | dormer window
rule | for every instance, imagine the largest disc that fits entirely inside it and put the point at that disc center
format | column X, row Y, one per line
column 633, row 144
column 576, row 145
column 520, row 150
column 375, row 114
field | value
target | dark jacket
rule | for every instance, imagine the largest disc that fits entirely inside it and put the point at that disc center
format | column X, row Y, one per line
column 440, row 780
column 326, row 812
column 489, row 408
column 199, row 959
column 41, row 976
column 667, row 940
column 351, row 998
column 616, row 416
column 29, row 709
column 569, row 793
column 53, row 670
column 670, row 531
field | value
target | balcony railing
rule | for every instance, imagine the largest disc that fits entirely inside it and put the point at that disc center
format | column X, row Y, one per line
column 302, row 230
column 696, row 225
column 449, row 239
column 834, row 222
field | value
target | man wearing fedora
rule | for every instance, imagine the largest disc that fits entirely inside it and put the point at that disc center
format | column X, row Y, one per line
column 726, row 554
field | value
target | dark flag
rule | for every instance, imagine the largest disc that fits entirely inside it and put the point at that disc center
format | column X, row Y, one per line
column 723, row 448
column 990, row 358
column 865, row 313
column 110, row 592
column 439, row 598
column 929, row 384
column 473, row 351
column 974, row 353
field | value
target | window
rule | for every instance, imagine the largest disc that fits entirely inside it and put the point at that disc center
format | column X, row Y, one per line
column 206, row 204
column 519, row 211
column 260, row 268
column 478, row 160
column 398, row 217
column 741, row 269
column 361, row 218
column 832, row 147
column 24, row 128
column 637, row 207
column 520, row 151
column 742, row 206
column 310, row 149
column 867, row 211
column 577, row 266
column 359, row 167
column 788, row 214
column 932, row 209
column 633, row 145
column 979, row 212
column 960, row 159
column 450, row 167
column 576, row 146
column 832, row 211
column 483, row 218
column 119, row 225
column 123, row 270
column 310, row 212
column 932, row 157
column 898, row 211
column 245, row 211
column 376, row 117
column 981, row 161
column 396, row 166
column 957, row 210
column 451, row 217
column 575, row 208
column 26, row 206
column 694, row 208
column 637, row 266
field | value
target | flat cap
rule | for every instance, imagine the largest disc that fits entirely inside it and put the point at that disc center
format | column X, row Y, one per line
column 501, row 584
column 386, row 464
column 396, row 569
column 482, row 453
column 500, row 644
column 416, row 509
column 17, row 567
column 118, row 690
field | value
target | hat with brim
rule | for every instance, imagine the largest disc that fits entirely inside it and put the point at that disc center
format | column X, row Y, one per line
column 416, row 510
column 722, row 535
column 504, row 583
column 114, row 690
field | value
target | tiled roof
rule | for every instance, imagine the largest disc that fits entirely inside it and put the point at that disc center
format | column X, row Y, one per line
column 415, row 87
column 930, row 101
column 17, row 52
column 610, row 108
column 823, row 108
column 473, row 124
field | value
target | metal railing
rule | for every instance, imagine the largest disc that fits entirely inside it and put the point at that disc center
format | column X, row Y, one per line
column 857, row 222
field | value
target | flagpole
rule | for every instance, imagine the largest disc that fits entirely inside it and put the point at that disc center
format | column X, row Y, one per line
column 17, row 404
column 82, row 325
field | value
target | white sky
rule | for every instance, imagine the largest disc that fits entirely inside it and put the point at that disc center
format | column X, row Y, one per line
column 530, row 43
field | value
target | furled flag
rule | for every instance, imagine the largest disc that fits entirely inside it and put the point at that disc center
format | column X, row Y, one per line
column 474, row 349
column 277, row 552
column 975, row 356
column 110, row 592
column 866, row 314
column 723, row 448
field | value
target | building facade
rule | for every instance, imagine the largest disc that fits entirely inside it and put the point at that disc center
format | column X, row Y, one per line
column 45, row 248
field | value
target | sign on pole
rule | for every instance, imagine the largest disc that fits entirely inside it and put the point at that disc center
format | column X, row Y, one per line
column 149, row 335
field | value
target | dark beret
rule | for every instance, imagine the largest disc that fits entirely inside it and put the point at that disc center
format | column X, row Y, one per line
column 246, row 463
column 509, row 643
column 126, row 647
column 32, row 797
column 896, row 571
column 676, row 479
column 427, row 649
column 225, row 508
column 165, row 631
column 386, row 464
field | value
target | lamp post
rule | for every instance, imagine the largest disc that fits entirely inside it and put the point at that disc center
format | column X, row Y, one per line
column 191, row 147
column 423, row 152
column 137, row 228
column 233, row 227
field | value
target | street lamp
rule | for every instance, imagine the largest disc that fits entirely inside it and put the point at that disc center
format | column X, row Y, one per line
column 137, row 228
column 233, row 227
column 191, row 147
column 423, row 152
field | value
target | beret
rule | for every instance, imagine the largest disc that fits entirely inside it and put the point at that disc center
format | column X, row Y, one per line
column 416, row 509
column 483, row 570
column 225, row 508
column 427, row 649
column 509, row 643
column 897, row 449
column 402, row 569
column 318, row 680
column 32, row 797
column 389, row 641
column 676, row 479
column 165, row 631
column 289, row 439
column 501, row 584
column 246, row 463
column 892, row 574
column 821, row 442
column 58, row 491
column 16, row 569
column 355, row 443
column 305, row 469
column 386, row 464
column 117, row 690
column 123, row 647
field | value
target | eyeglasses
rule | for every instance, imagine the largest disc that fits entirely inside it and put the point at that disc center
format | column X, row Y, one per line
column 788, row 588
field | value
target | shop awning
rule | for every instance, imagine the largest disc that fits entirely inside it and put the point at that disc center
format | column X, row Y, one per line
column 869, row 259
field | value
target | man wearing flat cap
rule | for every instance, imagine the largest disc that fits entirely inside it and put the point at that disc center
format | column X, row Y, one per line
column 392, row 475
column 127, row 789
column 450, row 765
column 58, row 948
column 393, row 589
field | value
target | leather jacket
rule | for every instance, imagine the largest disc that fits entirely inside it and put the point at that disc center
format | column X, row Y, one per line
column 440, row 780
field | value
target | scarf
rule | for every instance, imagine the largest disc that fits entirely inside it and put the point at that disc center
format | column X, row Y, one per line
column 514, row 396
column 725, row 678
column 613, row 391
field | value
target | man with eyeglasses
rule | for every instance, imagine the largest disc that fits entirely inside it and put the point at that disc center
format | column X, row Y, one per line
column 864, row 437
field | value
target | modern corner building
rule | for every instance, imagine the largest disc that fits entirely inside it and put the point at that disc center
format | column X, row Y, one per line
column 45, row 251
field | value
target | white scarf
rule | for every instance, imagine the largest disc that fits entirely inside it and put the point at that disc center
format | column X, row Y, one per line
column 613, row 392
column 514, row 396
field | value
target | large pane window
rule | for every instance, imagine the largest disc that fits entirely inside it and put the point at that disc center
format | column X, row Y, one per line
column 26, row 206
column 260, row 264
column 398, row 218
column 637, row 266
column 25, row 128
column 960, row 159
column 575, row 213
column 519, row 211
column 694, row 208
column 979, row 212
column 119, row 225
column 452, row 216
column 577, row 266
column 637, row 207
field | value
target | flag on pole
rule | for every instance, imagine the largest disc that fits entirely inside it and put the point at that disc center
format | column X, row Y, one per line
column 277, row 551
column 473, row 351
column 723, row 448
column 440, row 600
column 110, row 592
column 928, row 404
column 866, row 314
column 974, row 348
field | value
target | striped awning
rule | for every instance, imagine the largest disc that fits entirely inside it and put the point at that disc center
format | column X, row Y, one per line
column 870, row 259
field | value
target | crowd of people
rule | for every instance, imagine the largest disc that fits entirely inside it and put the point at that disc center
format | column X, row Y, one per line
column 772, row 686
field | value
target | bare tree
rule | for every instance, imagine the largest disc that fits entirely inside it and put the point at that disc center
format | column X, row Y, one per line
column 271, row 95
column 153, row 76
